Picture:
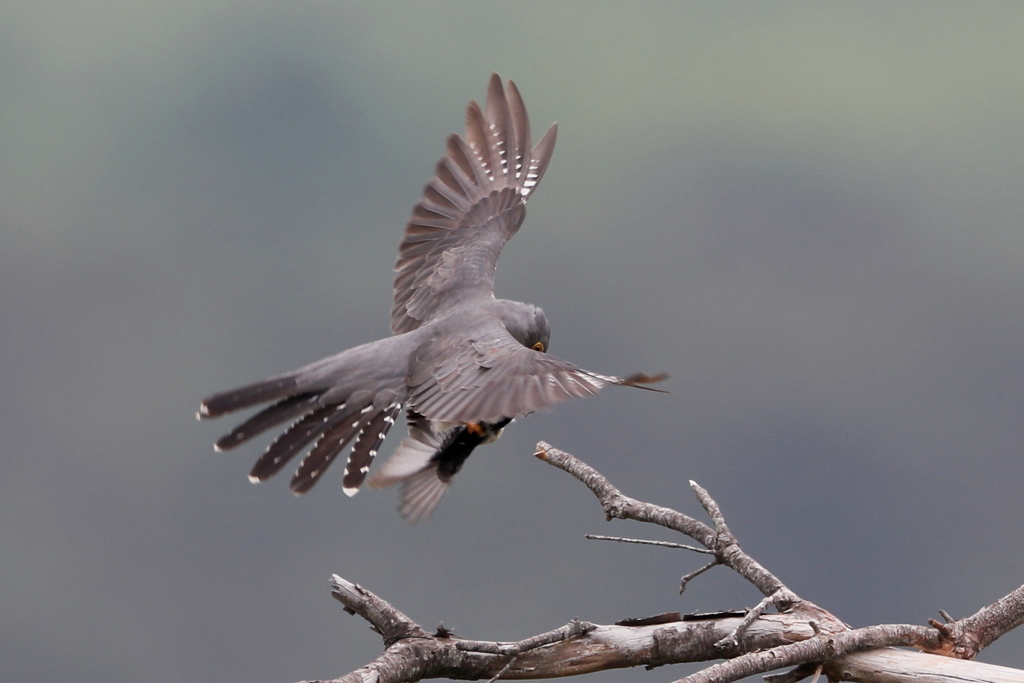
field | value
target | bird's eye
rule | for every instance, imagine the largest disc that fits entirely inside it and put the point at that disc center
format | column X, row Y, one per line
column 539, row 346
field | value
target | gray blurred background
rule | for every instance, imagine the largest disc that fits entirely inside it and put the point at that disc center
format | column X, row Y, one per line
column 810, row 214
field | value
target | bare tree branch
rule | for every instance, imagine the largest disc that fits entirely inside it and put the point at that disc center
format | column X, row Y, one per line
column 969, row 636
column 771, row 642
column 719, row 540
column 889, row 665
column 391, row 624
column 643, row 541
column 695, row 573
column 800, row 635
column 573, row 628
column 821, row 648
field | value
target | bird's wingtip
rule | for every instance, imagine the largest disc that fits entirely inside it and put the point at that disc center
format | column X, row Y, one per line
column 640, row 380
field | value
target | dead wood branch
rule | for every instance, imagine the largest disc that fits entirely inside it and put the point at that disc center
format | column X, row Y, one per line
column 718, row 540
column 800, row 634
column 967, row 637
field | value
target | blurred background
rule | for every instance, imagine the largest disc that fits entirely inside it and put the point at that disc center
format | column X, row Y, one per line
column 810, row 214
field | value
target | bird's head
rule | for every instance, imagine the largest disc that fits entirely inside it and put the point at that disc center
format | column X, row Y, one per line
column 527, row 324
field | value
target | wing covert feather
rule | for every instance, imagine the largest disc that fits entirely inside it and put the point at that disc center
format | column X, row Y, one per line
column 489, row 376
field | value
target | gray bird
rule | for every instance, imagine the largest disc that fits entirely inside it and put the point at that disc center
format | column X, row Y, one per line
column 460, row 362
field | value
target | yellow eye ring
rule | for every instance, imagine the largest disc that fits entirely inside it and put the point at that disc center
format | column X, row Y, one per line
column 539, row 346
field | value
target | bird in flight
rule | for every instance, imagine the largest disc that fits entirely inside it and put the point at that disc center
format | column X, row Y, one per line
column 460, row 363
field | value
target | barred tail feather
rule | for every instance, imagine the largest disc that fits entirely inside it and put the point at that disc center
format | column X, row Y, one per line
column 371, row 436
column 331, row 442
column 294, row 440
column 282, row 411
column 250, row 395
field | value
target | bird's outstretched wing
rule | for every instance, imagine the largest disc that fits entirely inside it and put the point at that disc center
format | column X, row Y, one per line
column 470, row 208
column 488, row 376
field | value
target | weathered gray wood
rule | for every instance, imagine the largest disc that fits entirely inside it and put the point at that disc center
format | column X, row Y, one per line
column 890, row 665
column 801, row 635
